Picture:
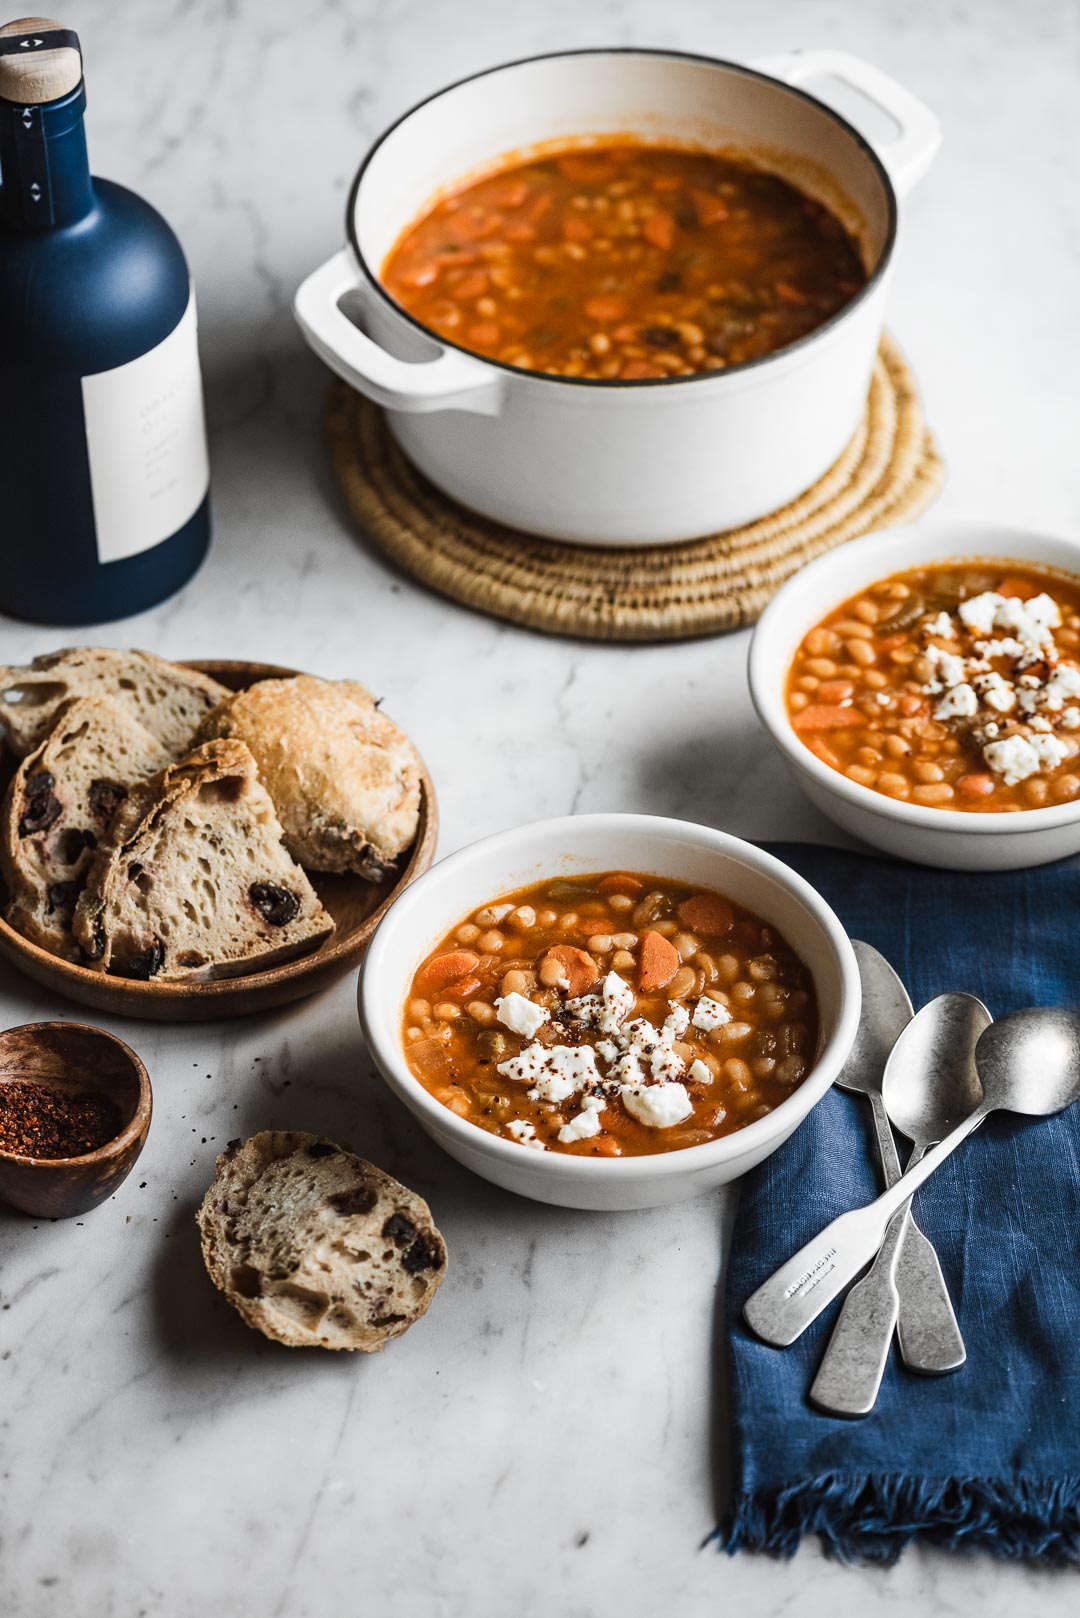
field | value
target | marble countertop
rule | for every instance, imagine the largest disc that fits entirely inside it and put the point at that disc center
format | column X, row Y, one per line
column 548, row 1440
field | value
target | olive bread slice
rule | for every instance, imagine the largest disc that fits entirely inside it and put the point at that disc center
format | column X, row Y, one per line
column 316, row 1248
column 168, row 699
column 193, row 881
column 58, row 807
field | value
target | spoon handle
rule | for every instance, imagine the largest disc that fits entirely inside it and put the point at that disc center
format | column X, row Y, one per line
column 886, row 1141
column 930, row 1337
column 795, row 1294
column 850, row 1373
column 930, row 1340
column 903, row 1290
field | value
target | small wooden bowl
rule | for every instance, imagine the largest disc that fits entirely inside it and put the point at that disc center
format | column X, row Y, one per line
column 74, row 1057
column 356, row 906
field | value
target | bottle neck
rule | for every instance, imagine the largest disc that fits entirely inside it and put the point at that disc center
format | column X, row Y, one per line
column 44, row 170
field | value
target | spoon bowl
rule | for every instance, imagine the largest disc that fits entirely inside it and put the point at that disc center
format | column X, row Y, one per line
column 931, row 1081
column 1029, row 1062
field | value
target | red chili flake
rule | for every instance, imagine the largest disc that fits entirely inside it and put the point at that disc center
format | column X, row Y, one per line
column 36, row 1121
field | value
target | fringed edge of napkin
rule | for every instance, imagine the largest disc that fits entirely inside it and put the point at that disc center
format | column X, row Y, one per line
column 872, row 1519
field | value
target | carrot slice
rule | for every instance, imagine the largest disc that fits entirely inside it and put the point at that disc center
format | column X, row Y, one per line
column 617, row 883
column 576, row 229
column 444, row 969
column 585, row 169
column 706, row 913
column 1021, row 589
column 659, row 962
column 709, row 209
column 605, row 307
column 473, row 285
column 578, row 967
column 464, row 988
column 659, row 229
column 827, row 716
column 834, row 691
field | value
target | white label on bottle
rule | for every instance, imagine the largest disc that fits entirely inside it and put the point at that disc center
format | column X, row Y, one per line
column 146, row 438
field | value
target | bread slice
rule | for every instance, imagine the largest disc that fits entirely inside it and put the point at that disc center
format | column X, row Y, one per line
column 316, row 1248
column 344, row 779
column 58, row 807
column 194, row 881
column 169, row 700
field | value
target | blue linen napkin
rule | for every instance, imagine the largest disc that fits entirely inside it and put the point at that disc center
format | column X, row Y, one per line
column 989, row 1456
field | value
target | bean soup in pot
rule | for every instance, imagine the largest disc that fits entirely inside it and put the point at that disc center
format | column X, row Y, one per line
column 625, row 262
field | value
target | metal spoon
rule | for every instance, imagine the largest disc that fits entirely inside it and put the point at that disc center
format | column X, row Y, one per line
column 930, row 1340
column 1029, row 1063
column 930, row 1085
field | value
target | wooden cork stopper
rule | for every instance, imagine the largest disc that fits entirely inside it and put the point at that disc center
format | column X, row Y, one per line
column 34, row 76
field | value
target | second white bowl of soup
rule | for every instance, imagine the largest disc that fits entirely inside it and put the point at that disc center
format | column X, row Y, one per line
column 996, row 783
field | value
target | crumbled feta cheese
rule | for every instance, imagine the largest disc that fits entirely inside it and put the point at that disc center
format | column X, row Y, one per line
column 607, row 1010
column 710, row 1014
column 1070, row 719
column 520, row 1014
column 995, row 692
column 658, row 1105
column 979, row 613
column 1003, row 646
column 948, row 669
column 1064, row 682
column 699, row 1072
column 1044, row 611
column 960, row 702
column 525, row 1133
column 675, row 1024
column 585, row 1123
column 1049, row 751
column 553, row 1071
column 1040, row 722
column 1014, row 758
column 942, row 626
column 666, row 1064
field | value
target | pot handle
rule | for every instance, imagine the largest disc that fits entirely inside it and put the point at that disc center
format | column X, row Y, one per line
column 912, row 149
column 454, row 381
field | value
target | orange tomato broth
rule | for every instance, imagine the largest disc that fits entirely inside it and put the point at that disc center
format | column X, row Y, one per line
column 672, row 943
column 857, row 691
column 624, row 261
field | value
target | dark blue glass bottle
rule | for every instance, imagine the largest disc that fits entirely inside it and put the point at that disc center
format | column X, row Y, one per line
column 104, row 503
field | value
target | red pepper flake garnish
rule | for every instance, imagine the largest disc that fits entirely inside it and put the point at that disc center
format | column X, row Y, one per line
column 37, row 1121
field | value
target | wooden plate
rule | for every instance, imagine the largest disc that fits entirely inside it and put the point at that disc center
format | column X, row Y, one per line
column 356, row 906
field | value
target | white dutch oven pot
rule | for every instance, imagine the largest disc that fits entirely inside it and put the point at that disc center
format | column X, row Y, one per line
column 622, row 463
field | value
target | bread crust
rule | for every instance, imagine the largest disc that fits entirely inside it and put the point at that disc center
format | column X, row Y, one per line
column 193, row 881
column 344, row 778
column 314, row 1247
column 169, row 700
column 58, row 807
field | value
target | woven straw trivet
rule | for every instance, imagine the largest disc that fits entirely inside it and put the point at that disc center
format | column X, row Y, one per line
column 888, row 474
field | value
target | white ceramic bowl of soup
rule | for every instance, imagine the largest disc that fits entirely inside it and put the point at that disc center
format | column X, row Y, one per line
column 577, row 845
column 622, row 462
column 954, row 838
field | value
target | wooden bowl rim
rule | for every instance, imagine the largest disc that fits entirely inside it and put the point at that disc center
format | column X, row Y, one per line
column 137, row 1125
column 421, row 853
